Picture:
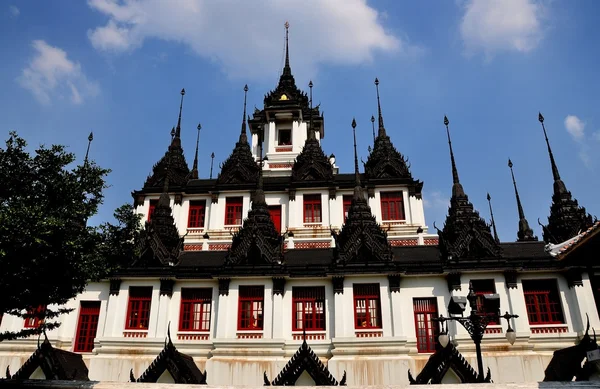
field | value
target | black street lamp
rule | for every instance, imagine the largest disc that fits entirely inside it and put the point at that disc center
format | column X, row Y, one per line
column 475, row 323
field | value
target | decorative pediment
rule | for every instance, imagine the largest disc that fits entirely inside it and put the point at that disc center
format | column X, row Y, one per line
column 312, row 164
column 443, row 360
column 56, row 364
column 181, row 367
column 160, row 244
column 386, row 162
column 305, row 360
column 173, row 165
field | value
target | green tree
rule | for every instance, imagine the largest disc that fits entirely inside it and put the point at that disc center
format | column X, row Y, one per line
column 47, row 252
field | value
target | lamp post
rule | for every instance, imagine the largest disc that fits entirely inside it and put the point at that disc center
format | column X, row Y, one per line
column 475, row 323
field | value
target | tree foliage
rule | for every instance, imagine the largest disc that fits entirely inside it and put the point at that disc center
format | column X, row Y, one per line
column 47, row 252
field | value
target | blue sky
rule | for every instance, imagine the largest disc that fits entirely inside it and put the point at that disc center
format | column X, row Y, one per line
column 116, row 67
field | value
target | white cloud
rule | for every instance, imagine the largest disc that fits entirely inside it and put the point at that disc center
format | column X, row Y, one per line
column 436, row 200
column 14, row 11
column 575, row 127
column 502, row 25
column 242, row 35
column 596, row 136
column 51, row 73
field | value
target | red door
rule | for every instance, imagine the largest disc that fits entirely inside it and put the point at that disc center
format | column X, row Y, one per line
column 275, row 211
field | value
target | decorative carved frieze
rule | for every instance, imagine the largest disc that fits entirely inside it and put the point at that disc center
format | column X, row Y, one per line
column 371, row 192
column 278, row 285
column 166, row 287
column 178, row 198
column 292, row 194
column 394, row 280
column 510, row 279
column 138, row 200
column 214, row 197
column 573, row 276
column 332, row 193
column 453, row 280
column 338, row 284
column 115, row 286
column 224, row 286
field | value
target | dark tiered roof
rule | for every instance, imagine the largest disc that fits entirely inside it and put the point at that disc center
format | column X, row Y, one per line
column 182, row 367
column 443, row 360
column 178, row 171
column 465, row 233
column 56, row 364
column 567, row 218
column 304, row 360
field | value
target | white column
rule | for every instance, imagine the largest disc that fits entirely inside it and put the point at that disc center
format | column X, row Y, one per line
column 338, row 300
column 396, row 308
column 223, row 323
column 516, row 306
column 386, row 312
column 163, row 317
column 277, row 315
column 587, row 305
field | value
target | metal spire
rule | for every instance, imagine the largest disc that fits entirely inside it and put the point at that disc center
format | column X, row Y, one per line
column 559, row 186
column 489, row 199
column 311, row 133
column 356, row 173
column 381, row 127
column 90, row 139
column 212, row 159
column 287, row 70
column 457, row 189
column 178, row 130
column 195, row 165
column 373, row 126
column 525, row 233
column 243, row 136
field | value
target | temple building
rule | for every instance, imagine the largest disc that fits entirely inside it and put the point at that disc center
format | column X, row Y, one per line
column 283, row 270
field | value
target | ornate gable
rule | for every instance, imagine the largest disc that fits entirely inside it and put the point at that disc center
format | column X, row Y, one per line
column 443, row 360
column 240, row 167
column 465, row 233
column 161, row 243
column 304, row 360
column 312, row 164
column 361, row 238
column 257, row 242
column 56, row 364
column 182, row 367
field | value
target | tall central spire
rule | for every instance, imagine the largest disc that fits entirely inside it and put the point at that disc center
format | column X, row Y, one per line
column 525, row 233
column 457, row 189
column 356, row 173
column 243, row 136
column 287, row 70
column 311, row 131
column 194, row 173
column 381, row 127
column 178, row 129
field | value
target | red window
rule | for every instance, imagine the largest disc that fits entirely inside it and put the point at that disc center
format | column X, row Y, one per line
column 367, row 306
column 392, row 206
column 87, row 326
column 233, row 211
column 425, row 310
column 138, row 308
column 481, row 288
column 34, row 322
column 195, row 309
column 312, row 208
column 347, row 200
column 153, row 204
column 275, row 212
column 285, row 137
column 196, row 214
column 308, row 308
column 542, row 302
column 250, row 309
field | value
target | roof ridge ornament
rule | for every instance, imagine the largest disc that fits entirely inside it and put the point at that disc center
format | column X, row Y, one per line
column 489, row 199
column 381, row 126
column 178, row 129
column 287, row 70
column 243, row 136
column 457, row 189
column 87, row 152
column 525, row 233
column 194, row 173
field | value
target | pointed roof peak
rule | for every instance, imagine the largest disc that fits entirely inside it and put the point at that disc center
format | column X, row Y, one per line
column 525, row 233
column 457, row 189
column 489, row 199
column 194, row 173
column 243, row 136
column 559, row 186
column 311, row 131
column 357, row 183
column 381, row 126
column 178, row 130
column 90, row 139
column 287, row 70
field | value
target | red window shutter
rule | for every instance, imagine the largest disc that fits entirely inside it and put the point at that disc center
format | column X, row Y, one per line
column 153, row 204
column 347, row 201
column 308, row 308
column 312, row 208
column 542, row 301
column 196, row 214
column 275, row 212
column 392, row 206
column 138, row 308
column 233, row 211
column 367, row 306
column 481, row 288
column 196, row 304
column 87, row 326
column 425, row 309
column 250, row 308
column 34, row 322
